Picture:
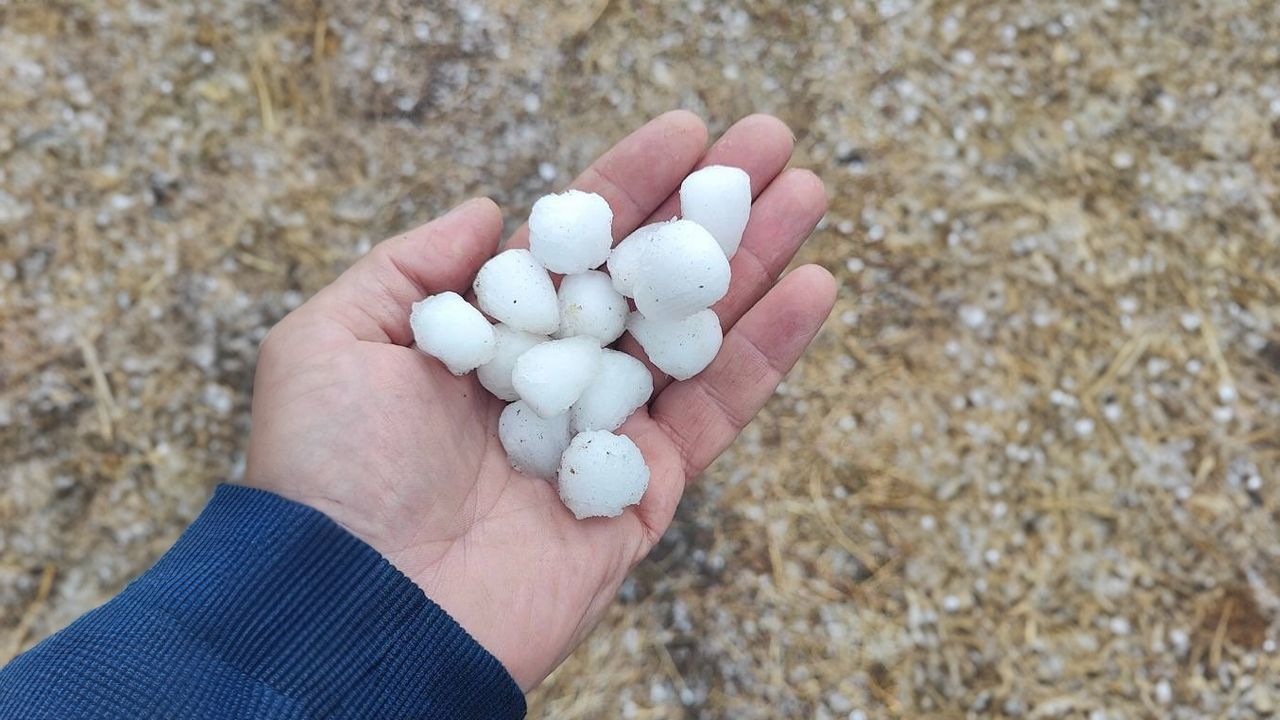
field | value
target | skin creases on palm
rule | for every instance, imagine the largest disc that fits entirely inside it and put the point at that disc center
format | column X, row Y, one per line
column 350, row 419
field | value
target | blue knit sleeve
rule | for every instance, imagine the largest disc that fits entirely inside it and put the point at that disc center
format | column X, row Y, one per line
column 264, row 608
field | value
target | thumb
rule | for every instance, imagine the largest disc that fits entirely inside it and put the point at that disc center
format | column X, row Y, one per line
column 372, row 298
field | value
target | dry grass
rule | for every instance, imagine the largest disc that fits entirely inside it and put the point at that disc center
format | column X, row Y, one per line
column 1030, row 468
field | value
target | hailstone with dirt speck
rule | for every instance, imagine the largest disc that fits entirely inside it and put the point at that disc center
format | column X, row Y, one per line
column 533, row 443
column 514, row 288
column 601, row 474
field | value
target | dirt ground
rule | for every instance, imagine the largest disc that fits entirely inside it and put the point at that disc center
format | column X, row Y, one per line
column 1030, row 468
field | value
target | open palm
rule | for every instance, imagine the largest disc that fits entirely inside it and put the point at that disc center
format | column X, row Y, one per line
column 350, row 419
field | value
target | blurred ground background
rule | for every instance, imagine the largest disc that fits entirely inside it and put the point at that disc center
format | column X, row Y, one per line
column 1029, row 469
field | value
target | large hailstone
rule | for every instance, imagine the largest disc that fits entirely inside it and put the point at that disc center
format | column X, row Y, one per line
column 719, row 199
column 551, row 376
column 448, row 328
column 682, row 271
column 590, row 306
column 495, row 375
column 533, row 443
column 626, row 259
column 515, row 289
column 571, row 232
column 622, row 385
column 680, row 348
column 600, row 474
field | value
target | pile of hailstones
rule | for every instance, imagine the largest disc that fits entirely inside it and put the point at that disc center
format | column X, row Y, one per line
column 548, row 353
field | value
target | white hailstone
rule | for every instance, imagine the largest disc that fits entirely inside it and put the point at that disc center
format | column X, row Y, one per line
column 719, row 199
column 495, row 375
column 533, row 443
column 513, row 288
column 626, row 259
column 622, row 385
column 552, row 375
column 1164, row 692
column 682, row 272
column 590, row 306
column 1227, row 393
column 601, row 473
column 571, row 232
column 448, row 328
column 682, row 348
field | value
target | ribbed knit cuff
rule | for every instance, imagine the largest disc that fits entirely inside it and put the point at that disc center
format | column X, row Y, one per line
column 293, row 599
column 275, row 593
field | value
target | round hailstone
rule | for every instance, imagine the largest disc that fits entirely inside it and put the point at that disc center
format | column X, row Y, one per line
column 719, row 199
column 682, row 272
column 682, row 348
column 552, row 375
column 590, row 306
column 495, row 375
column 625, row 260
column 571, row 232
column 514, row 288
column 533, row 443
column 622, row 385
column 601, row 473
column 448, row 328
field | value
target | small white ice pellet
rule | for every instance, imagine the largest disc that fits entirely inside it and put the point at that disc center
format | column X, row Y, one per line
column 682, row 348
column 600, row 474
column 495, row 375
column 448, row 328
column 551, row 376
column 590, row 306
column 719, row 199
column 533, row 443
column 571, row 232
column 683, row 271
column 622, row 385
column 625, row 260
column 514, row 288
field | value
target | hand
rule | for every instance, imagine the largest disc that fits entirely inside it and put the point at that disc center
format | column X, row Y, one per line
column 351, row 420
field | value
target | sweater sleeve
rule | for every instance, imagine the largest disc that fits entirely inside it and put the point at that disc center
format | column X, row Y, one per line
column 264, row 608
